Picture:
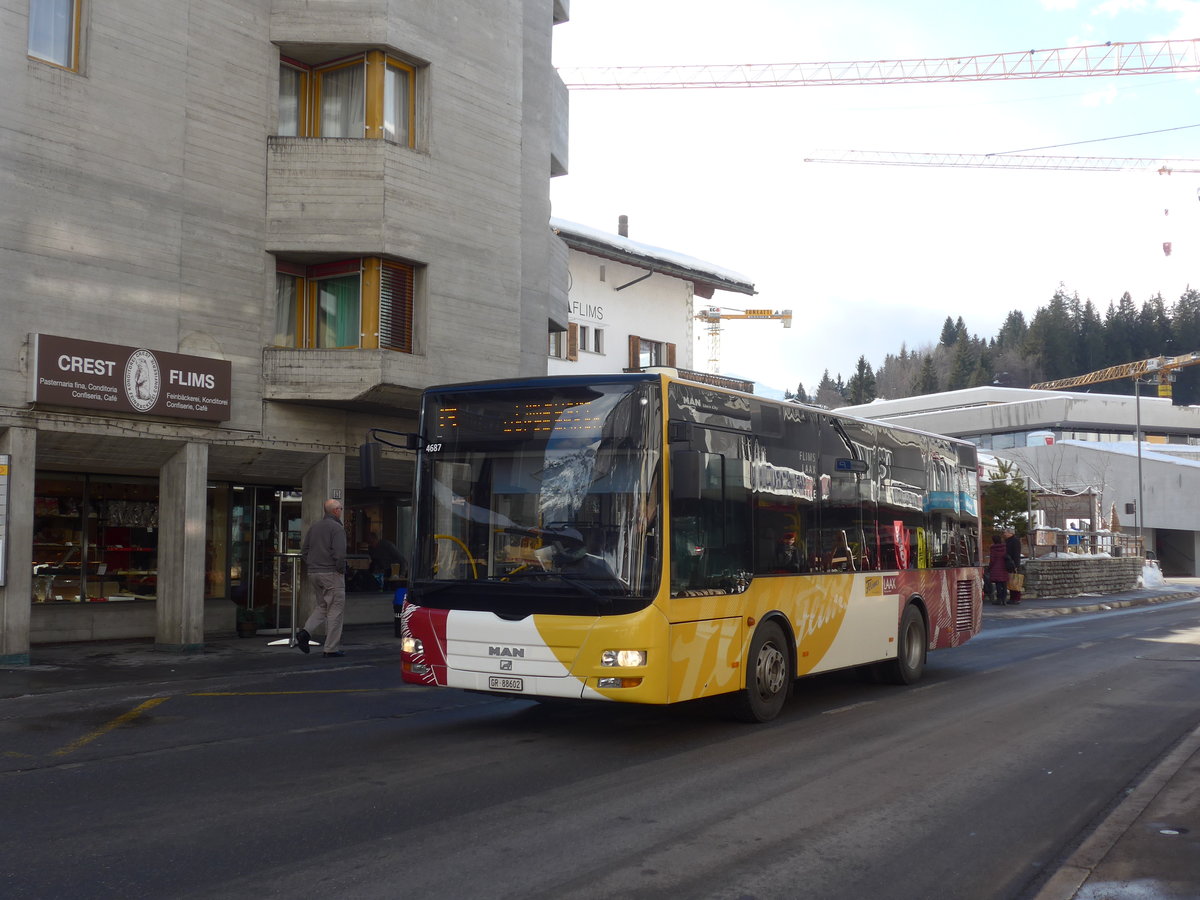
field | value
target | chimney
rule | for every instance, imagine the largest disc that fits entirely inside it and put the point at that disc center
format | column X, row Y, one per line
column 623, row 226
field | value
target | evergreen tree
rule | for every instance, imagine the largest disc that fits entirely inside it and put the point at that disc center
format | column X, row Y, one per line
column 861, row 387
column 949, row 334
column 926, row 381
column 963, row 366
column 828, row 393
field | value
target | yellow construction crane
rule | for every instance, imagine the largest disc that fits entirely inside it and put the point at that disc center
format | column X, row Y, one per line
column 713, row 316
column 1162, row 367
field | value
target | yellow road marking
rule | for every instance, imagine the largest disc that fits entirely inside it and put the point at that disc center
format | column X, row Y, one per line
column 115, row 723
column 125, row 718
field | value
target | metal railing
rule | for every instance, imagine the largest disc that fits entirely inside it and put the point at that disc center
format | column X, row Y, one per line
column 1048, row 541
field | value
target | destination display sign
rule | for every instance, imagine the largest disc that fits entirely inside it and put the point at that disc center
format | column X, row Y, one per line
column 113, row 378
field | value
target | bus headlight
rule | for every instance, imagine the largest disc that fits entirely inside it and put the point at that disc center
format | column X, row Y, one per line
column 411, row 645
column 623, row 658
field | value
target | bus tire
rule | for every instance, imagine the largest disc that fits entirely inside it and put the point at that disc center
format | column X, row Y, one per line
column 911, row 644
column 768, row 675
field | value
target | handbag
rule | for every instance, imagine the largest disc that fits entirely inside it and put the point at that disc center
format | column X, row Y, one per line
column 1016, row 582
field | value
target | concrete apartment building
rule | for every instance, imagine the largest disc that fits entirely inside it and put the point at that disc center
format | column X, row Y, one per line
column 236, row 237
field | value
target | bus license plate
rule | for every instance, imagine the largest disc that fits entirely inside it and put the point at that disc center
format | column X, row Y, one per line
column 498, row 683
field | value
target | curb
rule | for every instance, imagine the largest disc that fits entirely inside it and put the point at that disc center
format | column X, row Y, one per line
column 1077, row 869
column 1099, row 605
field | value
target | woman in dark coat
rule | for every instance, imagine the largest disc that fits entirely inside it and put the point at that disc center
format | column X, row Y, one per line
column 1012, row 544
column 998, row 568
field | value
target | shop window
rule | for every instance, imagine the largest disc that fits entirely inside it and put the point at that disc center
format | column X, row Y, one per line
column 95, row 539
column 367, row 303
column 216, row 543
column 370, row 95
column 54, row 30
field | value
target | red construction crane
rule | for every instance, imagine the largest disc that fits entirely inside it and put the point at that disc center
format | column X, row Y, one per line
column 1113, row 58
column 1006, row 161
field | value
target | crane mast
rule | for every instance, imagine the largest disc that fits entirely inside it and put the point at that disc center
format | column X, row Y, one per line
column 713, row 316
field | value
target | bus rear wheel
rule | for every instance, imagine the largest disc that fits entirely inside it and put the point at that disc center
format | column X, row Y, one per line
column 768, row 676
column 911, row 644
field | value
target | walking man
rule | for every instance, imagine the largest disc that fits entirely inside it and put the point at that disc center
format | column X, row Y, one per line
column 324, row 554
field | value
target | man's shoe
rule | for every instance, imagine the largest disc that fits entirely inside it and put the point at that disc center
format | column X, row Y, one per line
column 334, row 653
column 302, row 639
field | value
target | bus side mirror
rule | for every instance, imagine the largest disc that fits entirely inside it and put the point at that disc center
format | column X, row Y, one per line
column 687, row 474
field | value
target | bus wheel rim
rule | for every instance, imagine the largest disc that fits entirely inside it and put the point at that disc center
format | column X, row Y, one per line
column 771, row 666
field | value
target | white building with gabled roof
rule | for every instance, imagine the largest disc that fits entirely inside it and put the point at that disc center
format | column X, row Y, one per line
column 632, row 305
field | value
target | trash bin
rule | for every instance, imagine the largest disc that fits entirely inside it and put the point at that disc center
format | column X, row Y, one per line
column 397, row 604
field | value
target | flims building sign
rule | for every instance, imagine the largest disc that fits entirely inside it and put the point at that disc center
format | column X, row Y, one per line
column 88, row 374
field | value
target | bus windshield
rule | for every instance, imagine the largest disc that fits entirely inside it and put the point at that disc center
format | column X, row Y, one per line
column 540, row 501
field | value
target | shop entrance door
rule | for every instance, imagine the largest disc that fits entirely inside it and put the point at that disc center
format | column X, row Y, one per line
column 267, row 531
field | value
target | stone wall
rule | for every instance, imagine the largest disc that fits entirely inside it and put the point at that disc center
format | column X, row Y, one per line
column 1086, row 575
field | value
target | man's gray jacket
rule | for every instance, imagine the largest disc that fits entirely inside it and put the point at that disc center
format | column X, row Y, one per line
column 324, row 546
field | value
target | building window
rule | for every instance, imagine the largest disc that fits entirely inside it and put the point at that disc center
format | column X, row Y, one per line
column 645, row 353
column 54, row 31
column 357, row 303
column 557, row 345
column 371, row 95
column 591, row 339
column 337, row 311
column 293, row 89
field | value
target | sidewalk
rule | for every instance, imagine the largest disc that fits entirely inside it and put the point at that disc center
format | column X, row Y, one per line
column 57, row 668
column 1149, row 846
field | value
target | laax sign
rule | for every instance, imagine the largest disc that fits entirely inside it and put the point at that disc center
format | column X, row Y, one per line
column 69, row 372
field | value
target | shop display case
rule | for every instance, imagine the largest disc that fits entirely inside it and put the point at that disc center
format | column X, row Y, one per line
column 94, row 540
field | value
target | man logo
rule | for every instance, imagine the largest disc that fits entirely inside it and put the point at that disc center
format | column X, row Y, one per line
column 518, row 652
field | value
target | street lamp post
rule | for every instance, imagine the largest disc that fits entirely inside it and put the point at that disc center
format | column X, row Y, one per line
column 1138, row 516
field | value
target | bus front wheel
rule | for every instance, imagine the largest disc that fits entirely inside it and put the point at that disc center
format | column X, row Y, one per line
column 768, row 676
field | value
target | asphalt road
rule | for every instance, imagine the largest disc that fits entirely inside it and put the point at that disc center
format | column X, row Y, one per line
column 975, row 783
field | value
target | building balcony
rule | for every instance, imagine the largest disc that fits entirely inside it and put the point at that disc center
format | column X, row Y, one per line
column 352, row 379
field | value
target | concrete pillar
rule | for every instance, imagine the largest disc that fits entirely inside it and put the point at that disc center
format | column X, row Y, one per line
column 20, row 444
column 324, row 481
column 182, row 518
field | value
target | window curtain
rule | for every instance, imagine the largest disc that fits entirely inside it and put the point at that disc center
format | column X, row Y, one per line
column 396, row 104
column 51, row 30
column 285, row 310
column 289, row 101
column 343, row 102
column 337, row 312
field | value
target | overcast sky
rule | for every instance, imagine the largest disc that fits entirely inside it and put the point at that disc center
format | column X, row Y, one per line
column 869, row 257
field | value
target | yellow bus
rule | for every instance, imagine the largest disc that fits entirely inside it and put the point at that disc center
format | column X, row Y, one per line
column 648, row 539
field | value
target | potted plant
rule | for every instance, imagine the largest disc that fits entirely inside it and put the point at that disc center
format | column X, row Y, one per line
column 249, row 620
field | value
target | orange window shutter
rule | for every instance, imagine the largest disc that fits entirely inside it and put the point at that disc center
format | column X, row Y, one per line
column 396, row 307
column 671, row 355
column 635, row 351
column 572, row 341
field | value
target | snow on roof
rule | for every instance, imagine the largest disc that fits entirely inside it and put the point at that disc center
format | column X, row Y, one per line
column 602, row 243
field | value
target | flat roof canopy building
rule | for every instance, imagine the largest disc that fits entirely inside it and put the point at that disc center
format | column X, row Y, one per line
column 1072, row 441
